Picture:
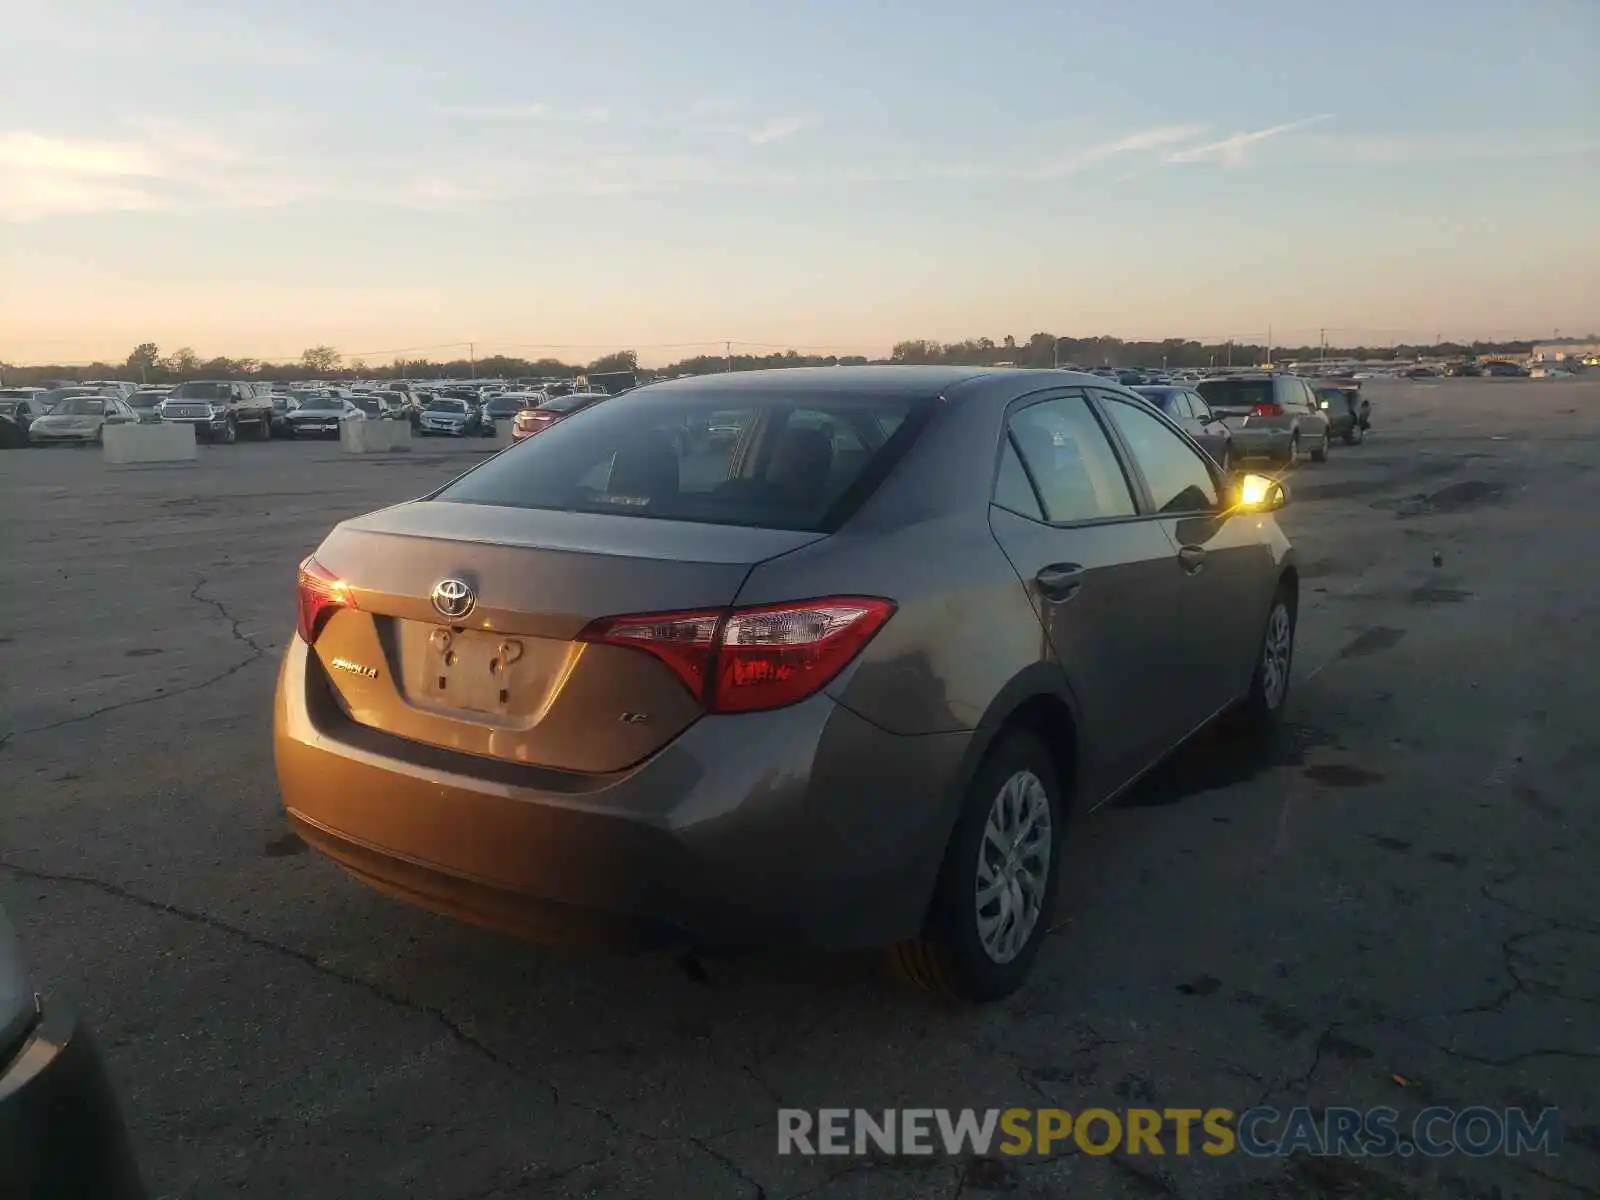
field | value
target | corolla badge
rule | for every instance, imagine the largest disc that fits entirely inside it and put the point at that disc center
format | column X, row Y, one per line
column 355, row 668
column 454, row 598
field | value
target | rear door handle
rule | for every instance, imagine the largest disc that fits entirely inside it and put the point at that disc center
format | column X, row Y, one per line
column 1192, row 558
column 1060, row 581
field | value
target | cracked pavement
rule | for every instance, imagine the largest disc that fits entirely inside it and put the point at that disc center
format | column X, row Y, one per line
column 1396, row 903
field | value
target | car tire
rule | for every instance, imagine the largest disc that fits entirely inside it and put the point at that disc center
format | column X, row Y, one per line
column 1015, row 788
column 230, row 432
column 1319, row 452
column 1293, row 457
column 1355, row 434
column 1269, row 683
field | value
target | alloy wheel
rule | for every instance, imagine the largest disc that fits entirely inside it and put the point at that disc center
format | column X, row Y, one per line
column 1013, row 867
column 1276, row 651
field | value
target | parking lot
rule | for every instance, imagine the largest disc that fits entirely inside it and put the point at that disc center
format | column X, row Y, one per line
column 1397, row 902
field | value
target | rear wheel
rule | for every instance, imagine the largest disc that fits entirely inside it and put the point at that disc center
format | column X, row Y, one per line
column 992, row 903
column 230, row 432
column 1319, row 452
column 1293, row 455
column 1355, row 434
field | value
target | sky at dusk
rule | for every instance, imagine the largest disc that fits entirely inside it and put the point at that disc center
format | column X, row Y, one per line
column 832, row 175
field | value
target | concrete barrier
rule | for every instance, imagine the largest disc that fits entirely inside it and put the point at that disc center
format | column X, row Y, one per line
column 374, row 437
column 128, row 444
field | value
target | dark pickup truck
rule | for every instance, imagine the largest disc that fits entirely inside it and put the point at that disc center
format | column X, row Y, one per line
column 220, row 409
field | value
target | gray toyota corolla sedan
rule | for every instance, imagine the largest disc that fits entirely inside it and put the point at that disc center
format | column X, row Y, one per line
column 842, row 675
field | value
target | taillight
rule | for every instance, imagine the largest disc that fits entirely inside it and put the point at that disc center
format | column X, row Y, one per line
column 752, row 659
column 322, row 593
column 1266, row 410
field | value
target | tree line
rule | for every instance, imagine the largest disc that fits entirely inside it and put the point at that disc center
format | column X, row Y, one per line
column 148, row 364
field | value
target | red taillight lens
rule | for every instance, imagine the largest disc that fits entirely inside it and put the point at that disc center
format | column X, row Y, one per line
column 682, row 640
column 322, row 593
column 753, row 659
column 1266, row 410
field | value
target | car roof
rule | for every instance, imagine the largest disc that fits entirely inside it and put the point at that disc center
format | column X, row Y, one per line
column 898, row 381
column 886, row 382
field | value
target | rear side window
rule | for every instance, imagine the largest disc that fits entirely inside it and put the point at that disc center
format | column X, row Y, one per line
column 1070, row 462
column 1012, row 490
column 682, row 456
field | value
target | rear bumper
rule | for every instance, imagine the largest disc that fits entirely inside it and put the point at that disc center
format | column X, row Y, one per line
column 61, row 1133
column 808, row 825
column 1259, row 443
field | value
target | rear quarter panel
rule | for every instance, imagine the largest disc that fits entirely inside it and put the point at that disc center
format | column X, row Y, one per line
column 964, row 627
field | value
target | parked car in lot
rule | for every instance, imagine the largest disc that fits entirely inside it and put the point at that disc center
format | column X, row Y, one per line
column 80, row 420
column 12, row 435
column 148, row 405
column 450, row 416
column 534, row 420
column 283, row 403
column 321, row 416
column 843, row 685
column 1504, row 370
column 380, row 406
column 507, row 405
column 61, row 1130
column 1349, row 413
column 1271, row 416
column 1189, row 411
column 22, row 405
column 220, row 410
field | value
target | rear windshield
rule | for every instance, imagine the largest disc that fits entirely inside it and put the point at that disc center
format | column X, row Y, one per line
column 804, row 464
column 369, row 404
column 445, row 406
column 8, row 408
column 563, row 404
column 1236, row 393
column 1161, row 397
column 506, row 404
column 146, row 399
column 323, row 404
column 202, row 391
column 1340, row 397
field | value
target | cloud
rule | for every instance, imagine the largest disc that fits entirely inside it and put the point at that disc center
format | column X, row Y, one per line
column 776, row 130
column 1234, row 151
column 166, row 169
column 1145, row 139
column 1397, row 149
column 495, row 112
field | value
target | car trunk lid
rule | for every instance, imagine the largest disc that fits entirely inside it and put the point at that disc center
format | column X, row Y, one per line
column 508, row 678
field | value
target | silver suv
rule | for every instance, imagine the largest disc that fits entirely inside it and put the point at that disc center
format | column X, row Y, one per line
column 1276, row 417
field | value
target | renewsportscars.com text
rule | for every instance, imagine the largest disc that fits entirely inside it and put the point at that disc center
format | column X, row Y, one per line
column 1258, row 1132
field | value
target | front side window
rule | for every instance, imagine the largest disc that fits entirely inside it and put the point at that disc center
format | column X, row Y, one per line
column 1070, row 462
column 1178, row 478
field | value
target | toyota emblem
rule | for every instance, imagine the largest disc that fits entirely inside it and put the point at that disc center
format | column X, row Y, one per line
column 453, row 598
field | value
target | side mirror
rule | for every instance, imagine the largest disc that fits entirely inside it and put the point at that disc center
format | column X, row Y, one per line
column 1259, row 494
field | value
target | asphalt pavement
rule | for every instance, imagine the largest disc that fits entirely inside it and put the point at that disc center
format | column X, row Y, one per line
column 1396, row 903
